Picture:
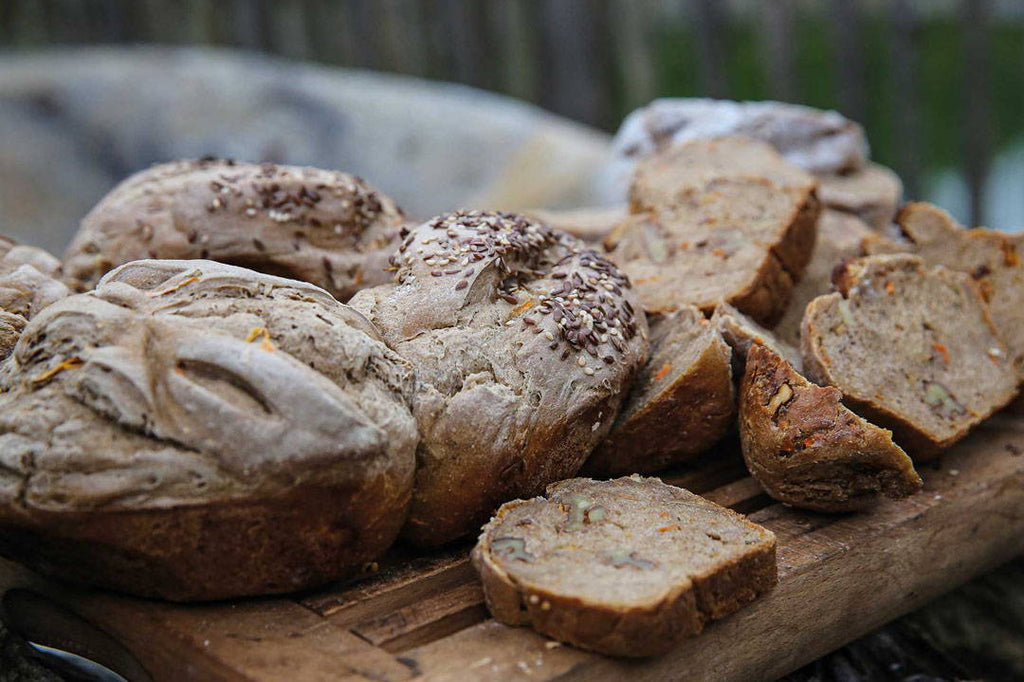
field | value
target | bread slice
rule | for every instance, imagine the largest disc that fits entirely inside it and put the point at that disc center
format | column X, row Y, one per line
column 807, row 450
column 992, row 258
column 912, row 348
column 628, row 567
column 680, row 405
column 725, row 220
column 871, row 193
column 840, row 236
column 742, row 333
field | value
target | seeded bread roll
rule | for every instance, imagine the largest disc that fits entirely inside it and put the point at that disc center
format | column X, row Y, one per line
column 29, row 281
column 741, row 333
column 628, row 567
column 524, row 343
column 911, row 348
column 990, row 257
column 807, row 450
column 191, row 430
column 680, row 405
column 723, row 220
column 323, row 227
column 871, row 193
column 839, row 239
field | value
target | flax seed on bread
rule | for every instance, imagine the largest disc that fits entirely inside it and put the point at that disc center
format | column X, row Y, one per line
column 627, row 567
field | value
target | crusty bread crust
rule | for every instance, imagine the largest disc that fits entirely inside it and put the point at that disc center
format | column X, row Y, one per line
column 807, row 450
column 565, row 607
column 324, row 227
column 680, row 405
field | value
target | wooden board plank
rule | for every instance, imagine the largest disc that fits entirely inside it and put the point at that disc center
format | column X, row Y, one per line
column 422, row 616
column 839, row 578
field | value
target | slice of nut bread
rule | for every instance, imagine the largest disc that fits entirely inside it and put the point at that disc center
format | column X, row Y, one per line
column 912, row 348
column 871, row 193
column 627, row 567
column 681, row 403
column 808, row 450
column 991, row 257
column 724, row 220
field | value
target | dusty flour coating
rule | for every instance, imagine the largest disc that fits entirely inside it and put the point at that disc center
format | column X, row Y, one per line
column 523, row 340
column 328, row 228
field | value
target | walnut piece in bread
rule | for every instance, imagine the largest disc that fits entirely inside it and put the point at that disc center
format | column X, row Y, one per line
column 808, row 450
column 680, row 405
column 328, row 228
column 912, row 349
column 524, row 343
column 723, row 220
column 192, row 430
column 627, row 567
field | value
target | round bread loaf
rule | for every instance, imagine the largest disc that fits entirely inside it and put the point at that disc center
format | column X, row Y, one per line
column 681, row 404
column 911, row 348
column 807, row 450
column 628, row 567
column 524, row 343
column 191, row 430
column 324, row 227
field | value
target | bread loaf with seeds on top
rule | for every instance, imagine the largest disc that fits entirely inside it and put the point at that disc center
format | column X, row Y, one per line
column 627, row 567
column 324, row 227
column 524, row 342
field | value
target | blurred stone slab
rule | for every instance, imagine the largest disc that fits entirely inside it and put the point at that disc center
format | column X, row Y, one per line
column 74, row 122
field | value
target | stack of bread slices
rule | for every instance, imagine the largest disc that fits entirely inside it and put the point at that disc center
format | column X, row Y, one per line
column 271, row 367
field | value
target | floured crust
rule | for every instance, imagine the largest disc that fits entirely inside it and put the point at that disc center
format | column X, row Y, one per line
column 188, row 415
column 806, row 449
column 723, row 220
column 680, row 405
column 324, row 227
column 628, row 567
column 524, row 343
column 29, row 281
column 911, row 348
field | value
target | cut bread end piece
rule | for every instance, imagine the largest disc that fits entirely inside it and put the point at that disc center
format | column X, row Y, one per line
column 627, row 567
column 681, row 404
column 911, row 348
column 807, row 450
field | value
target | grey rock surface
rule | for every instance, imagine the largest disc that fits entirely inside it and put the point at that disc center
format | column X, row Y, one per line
column 74, row 122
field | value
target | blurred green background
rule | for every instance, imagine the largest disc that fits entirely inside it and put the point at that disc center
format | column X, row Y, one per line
column 938, row 84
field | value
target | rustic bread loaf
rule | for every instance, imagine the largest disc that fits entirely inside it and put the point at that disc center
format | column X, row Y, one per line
column 871, row 193
column 911, row 348
column 741, row 333
column 192, row 430
column 840, row 236
column 723, row 220
column 807, row 450
column 628, row 567
column 524, row 344
column 323, row 227
column 990, row 257
column 29, row 281
column 680, row 405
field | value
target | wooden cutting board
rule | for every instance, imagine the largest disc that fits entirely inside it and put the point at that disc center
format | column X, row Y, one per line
column 422, row 617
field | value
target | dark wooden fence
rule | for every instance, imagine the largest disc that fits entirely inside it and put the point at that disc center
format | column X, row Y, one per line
column 930, row 80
